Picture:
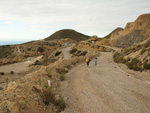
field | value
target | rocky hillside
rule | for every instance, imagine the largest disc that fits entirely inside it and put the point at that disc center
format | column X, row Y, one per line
column 136, row 57
column 133, row 33
column 16, row 53
column 106, row 39
column 67, row 33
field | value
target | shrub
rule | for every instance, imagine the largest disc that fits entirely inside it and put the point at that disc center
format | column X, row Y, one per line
column 147, row 44
column 62, row 77
column 2, row 73
column 48, row 96
column 40, row 49
column 134, row 64
column 58, row 53
column 73, row 50
column 118, row 57
column 29, row 49
column 11, row 72
column 143, row 50
column 146, row 65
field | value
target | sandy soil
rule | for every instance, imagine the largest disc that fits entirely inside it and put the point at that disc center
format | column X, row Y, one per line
column 106, row 88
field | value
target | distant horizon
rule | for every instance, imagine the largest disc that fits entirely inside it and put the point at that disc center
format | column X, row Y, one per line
column 37, row 19
column 3, row 43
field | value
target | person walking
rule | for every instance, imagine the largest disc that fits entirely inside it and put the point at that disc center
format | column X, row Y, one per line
column 95, row 62
column 88, row 61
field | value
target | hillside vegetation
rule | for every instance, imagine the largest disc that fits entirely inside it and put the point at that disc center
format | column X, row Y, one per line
column 136, row 57
column 68, row 33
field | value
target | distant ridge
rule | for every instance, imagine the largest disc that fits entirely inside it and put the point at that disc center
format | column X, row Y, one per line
column 134, row 32
column 68, row 33
column 116, row 31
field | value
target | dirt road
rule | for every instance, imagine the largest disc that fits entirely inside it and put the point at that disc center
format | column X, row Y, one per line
column 18, row 67
column 66, row 52
column 105, row 89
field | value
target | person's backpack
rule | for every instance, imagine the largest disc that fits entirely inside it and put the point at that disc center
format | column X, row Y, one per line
column 86, row 60
column 89, row 59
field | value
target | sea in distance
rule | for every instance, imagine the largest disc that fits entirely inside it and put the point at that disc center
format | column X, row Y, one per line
column 11, row 42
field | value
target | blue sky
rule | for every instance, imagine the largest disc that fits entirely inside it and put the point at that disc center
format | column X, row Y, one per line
column 26, row 20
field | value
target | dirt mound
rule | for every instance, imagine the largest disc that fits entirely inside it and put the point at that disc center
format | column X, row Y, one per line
column 67, row 33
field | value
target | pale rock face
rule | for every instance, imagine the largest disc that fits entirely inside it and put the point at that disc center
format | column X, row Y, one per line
column 12, row 85
column 134, row 32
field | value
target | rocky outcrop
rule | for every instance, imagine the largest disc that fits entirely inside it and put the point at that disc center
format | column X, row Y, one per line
column 134, row 32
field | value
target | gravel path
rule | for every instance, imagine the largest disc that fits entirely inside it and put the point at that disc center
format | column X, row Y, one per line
column 18, row 67
column 66, row 52
column 105, row 89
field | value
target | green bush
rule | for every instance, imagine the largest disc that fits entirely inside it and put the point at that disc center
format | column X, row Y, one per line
column 118, row 57
column 146, row 65
column 11, row 72
column 73, row 50
column 57, row 53
column 2, row 73
column 40, row 49
column 29, row 49
column 134, row 64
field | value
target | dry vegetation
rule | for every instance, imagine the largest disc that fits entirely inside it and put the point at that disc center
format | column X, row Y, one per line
column 31, row 93
column 136, row 57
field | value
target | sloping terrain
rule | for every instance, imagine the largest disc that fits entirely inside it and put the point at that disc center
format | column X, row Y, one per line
column 134, row 32
column 136, row 57
column 105, row 88
column 67, row 33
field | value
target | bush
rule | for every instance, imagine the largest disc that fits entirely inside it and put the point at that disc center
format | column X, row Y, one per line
column 134, row 64
column 2, row 73
column 73, row 50
column 40, row 49
column 143, row 50
column 118, row 57
column 62, row 77
column 58, row 53
column 146, row 65
column 48, row 96
column 147, row 44
column 29, row 49
column 12, row 72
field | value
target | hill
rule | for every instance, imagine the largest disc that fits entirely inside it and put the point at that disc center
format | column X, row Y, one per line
column 133, row 33
column 68, row 33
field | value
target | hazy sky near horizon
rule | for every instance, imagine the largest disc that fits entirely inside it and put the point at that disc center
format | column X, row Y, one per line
column 26, row 20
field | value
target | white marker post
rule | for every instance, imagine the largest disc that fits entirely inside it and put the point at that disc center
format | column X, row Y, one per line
column 49, row 83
